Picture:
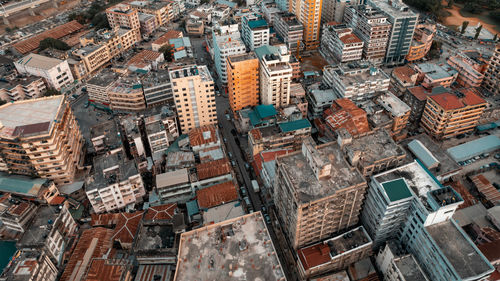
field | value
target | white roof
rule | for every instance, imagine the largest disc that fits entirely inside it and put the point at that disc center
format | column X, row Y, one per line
column 38, row 61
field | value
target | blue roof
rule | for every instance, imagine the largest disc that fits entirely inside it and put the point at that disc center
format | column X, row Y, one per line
column 227, row 3
column 294, row 125
column 266, row 50
column 423, row 154
column 21, row 184
column 192, row 207
column 180, row 54
column 257, row 23
column 264, row 111
column 180, row 42
column 474, row 148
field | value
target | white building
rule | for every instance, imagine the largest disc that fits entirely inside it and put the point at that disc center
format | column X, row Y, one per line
column 98, row 86
column 275, row 75
column 55, row 71
column 227, row 42
column 255, row 32
column 355, row 80
column 340, row 42
column 174, row 186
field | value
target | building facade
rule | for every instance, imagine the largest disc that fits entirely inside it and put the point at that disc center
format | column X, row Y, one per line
column 308, row 13
column 470, row 73
column 55, row 72
column 124, row 15
column 254, row 32
column 227, row 42
column 422, row 41
column 340, row 42
column 289, row 29
column 492, row 75
column 126, row 95
column 243, row 81
column 22, row 88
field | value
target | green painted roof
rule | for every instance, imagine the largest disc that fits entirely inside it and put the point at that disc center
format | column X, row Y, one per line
column 265, row 111
column 294, row 125
column 266, row 50
column 192, row 207
column 396, row 189
column 257, row 23
column 20, row 184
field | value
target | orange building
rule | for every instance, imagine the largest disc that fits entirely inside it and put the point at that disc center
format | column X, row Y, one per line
column 308, row 13
column 345, row 114
column 422, row 41
column 243, row 81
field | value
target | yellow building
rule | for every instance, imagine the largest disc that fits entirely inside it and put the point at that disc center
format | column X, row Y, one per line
column 422, row 41
column 243, row 81
column 158, row 9
column 123, row 15
column 194, row 96
column 308, row 13
column 40, row 137
column 126, row 95
column 452, row 113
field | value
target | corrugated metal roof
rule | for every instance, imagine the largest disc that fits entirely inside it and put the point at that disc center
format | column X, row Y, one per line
column 192, row 207
column 423, row 154
column 474, row 148
column 20, row 184
column 294, row 125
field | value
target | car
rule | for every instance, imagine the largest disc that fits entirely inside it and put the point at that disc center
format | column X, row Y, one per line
column 230, row 154
column 228, row 117
column 264, row 210
column 267, row 218
column 497, row 156
column 243, row 191
column 110, row 117
column 225, row 140
column 86, row 104
column 247, row 166
column 99, row 114
column 233, row 163
column 233, row 132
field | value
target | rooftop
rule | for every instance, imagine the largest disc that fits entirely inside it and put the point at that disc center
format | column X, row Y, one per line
column 190, row 71
column 162, row 40
column 457, row 100
column 460, row 252
column 145, row 271
column 23, row 267
column 258, row 24
column 394, row 8
column 40, row 227
column 410, row 269
column 21, row 185
column 436, row 71
column 345, row 114
column 38, row 61
column 110, row 169
column 404, row 73
column 242, row 57
column 235, row 249
column 29, row 117
column 294, row 125
column 108, row 269
column 475, row 147
column 203, row 135
column 306, row 186
column 163, row 212
column 172, row 178
column 126, row 226
column 325, row 251
column 354, row 73
column 213, row 169
column 177, row 159
column 144, row 58
column 393, row 104
column 216, row 195
column 396, row 189
column 223, row 212
column 104, row 78
column 108, row 131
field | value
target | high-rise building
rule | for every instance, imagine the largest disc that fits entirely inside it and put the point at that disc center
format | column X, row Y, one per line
column 254, row 32
column 452, row 113
column 227, row 42
column 422, row 41
column 289, row 29
column 194, row 96
column 123, row 15
column 40, row 137
column 316, row 180
column 160, row 10
column 275, row 75
column 334, row 10
column 403, row 21
column 55, row 71
column 492, row 75
column 340, row 42
column 371, row 26
column 243, row 81
column 308, row 13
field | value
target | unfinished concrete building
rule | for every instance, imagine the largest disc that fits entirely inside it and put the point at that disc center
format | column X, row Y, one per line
column 316, row 180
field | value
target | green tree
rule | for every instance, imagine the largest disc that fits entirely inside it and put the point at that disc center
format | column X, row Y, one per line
column 495, row 37
column 450, row 4
column 435, row 51
column 464, row 26
column 53, row 43
column 100, row 21
column 2, row 102
column 79, row 17
column 168, row 52
column 51, row 92
column 478, row 31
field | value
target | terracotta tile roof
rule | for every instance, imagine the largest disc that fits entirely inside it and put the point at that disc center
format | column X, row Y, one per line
column 450, row 101
column 419, row 92
column 404, row 73
column 104, row 269
column 57, row 200
column 217, row 194
column 162, row 212
column 127, row 225
column 93, row 243
column 469, row 200
column 484, row 187
column 345, row 114
column 491, row 251
column 60, row 31
column 144, row 58
column 203, row 135
column 314, row 255
column 162, row 40
column 490, row 233
column 18, row 210
column 213, row 169
column 350, row 39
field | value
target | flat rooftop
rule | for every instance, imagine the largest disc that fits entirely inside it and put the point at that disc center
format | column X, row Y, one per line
column 29, row 117
column 22, row 185
column 104, row 78
column 435, row 71
column 243, row 57
column 120, row 169
column 155, row 239
column 191, row 70
column 236, row 249
column 109, row 132
column 410, row 269
column 172, row 178
column 394, row 8
column 357, row 73
column 468, row 262
column 397, row 189
column 305, row 184
column 393, row 104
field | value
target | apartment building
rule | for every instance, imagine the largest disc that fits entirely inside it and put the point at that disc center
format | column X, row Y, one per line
column 285, row 135
column 275, row 75
column 344, row 118
column 403, row 22
column 160, row 131
column 370, row 24
column 157, row 88
column 402, row 78
column 195, row 27
column 470, row 67
column 334, row 10
column 105, row 137
column 289, row 29
column 126, row 94
column 226, row 42
column 114, row 183
column 165, row 38
column 398, row 110
column 123, row 15
column 99, row 85
column 433, row 74
column 409, row 205
column 160, row 10
column 40, row 137
column 30, row 265
column 422, row 41
column 174, row 186
column 452, row 113
column 356, row 80
column 395, row 265
column 243, row 81
column 334, row 254
column 194, row 96
column 16, row 214
column 148, row 24
column 22, row 88
column 54, row 71
column 339, row 41
column 308, row 13
column 492, row 75
column 315, row 180
column 254, row 32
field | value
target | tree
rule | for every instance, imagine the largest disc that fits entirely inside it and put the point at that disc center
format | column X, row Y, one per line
column 478, row 31
column 464, row 26
column 53, row 43
column 435, row 51
column 168, row 52
column 2, row 102
column 100, row 21
column 79, row 17
column 495, row 37
column 51, row 92
column 450, row 4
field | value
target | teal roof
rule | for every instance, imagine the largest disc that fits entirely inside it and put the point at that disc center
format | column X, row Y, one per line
column 396, row 189
column 423, row 154
column 294, row 125
column 227, row 3
column 192, row 207
column 265, row 111
column 20, row 184
column 257, row 23
column 180, row 42
column 474, row 148
column 266, row 50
